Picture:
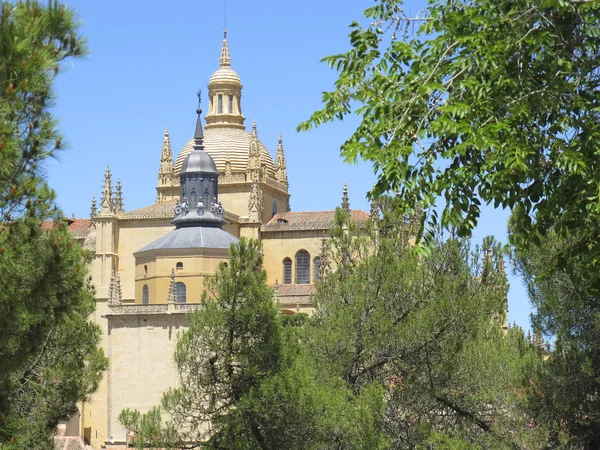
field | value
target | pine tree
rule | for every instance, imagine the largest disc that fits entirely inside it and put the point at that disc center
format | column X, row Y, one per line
column 49, row 358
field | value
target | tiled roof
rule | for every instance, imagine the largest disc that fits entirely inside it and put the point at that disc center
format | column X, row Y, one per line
column 79, row 228
column 163, row 210
column 68, row 443
column 318, row 220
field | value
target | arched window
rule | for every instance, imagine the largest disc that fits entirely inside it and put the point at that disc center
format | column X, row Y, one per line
column 145, row 295
column 274, row 208
column 145, row 270
column 180, row 290
column 316, row 268
column 302, row 267
column 220, row 98
column 179, row 266
column 287, row 271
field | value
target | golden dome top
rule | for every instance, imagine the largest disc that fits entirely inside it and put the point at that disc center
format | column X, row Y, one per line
column 227, row 144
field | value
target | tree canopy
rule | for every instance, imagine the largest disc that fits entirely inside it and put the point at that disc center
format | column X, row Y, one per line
column 480, row 102
column 49, row 356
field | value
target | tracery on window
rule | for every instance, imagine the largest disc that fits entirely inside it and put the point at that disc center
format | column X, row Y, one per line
column 287, row 271
column 302, row 267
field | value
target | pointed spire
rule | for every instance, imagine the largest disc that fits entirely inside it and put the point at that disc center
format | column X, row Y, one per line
column 107, row 193
column 280, row 164
column 111, row 288
column 172, row 292
column 374, row 209
column 198, row 133
column 93, row 212
column 225, row 59
column 345, row 200
column 165, row 170
column 254, row 133
column 119, row 197
column 254, row 157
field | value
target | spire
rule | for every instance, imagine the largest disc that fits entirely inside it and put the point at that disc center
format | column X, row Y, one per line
column 345, row 200
column 225, row 59
column 198, row 133
column 254, row 128
column 119, row 198
column 165, row 170
column 280, row 165
column 172, row 292
column 117, row 293
column 254, row 157
column 106, row 204
column 93, row 212
column 111, row 288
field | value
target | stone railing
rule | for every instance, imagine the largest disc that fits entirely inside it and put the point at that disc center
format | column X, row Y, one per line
column 168, row 308
column 275, row 184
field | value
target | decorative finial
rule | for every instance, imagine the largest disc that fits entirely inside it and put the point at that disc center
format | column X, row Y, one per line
column 280, row 164
column 107, row 193
column 118, row 295
column 225, row 59
column 345, row 199
column 199, row 134
column 374, row 209
column 119, row 198
column 254, row 127
column 172, row 292
column 111, row 288
column 93, row 212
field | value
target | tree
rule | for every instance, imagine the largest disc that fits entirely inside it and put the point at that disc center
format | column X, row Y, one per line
column 482, row 102
column 418, row 340
column 49, row 358
column 237, row 388
column 565, row 394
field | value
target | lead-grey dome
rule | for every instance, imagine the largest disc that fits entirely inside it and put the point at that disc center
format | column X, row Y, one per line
column 193, row 237
column 198, row 161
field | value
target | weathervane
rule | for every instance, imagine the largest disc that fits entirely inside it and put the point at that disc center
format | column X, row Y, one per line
column 199, row 94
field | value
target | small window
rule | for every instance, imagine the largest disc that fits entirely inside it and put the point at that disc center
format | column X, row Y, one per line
column 145, row 270
column 179, row 266
column 274, row 208
column 287, row 271
column 180, row 290
column 316, row 268
column 220, row 104
column 231, row 104
column 145, row 295
column 302, row 267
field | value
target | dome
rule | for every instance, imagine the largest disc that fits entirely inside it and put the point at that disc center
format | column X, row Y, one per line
column 225, row 74
column 224, row 144
column 198, row 162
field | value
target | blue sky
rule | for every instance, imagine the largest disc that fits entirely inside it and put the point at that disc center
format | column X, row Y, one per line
column 149, row 58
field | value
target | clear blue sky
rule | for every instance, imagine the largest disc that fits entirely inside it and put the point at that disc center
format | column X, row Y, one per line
column 148, row 59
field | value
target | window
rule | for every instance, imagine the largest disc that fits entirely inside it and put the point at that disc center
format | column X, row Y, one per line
column 287, row 271
column 180, row 291
column 316, row 268
column 145, row 295
column 231, row 104
column 145, row 270
column 302, row 267
column 274, row 208
column 220, row 104
column 179, row 266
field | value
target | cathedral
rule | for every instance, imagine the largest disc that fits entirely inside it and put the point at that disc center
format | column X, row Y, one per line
column 149, row 264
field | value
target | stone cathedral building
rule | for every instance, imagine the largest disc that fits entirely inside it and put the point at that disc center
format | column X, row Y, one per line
column 149, row 264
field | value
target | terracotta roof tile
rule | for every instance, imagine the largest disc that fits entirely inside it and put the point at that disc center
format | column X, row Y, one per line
column 284, row 290
column 79, row 228
column 163, row 210
column 317, row 220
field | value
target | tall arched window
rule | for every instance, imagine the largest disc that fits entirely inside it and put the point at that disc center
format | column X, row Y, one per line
column 145, row 295
column 302, row 267
column 180, row 290
column 316, row 268
column 287, row 271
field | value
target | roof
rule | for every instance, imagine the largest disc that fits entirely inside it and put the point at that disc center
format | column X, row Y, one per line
column 317, row 220
column 192, row 237
column 224, row 144
column 163, row 210
column 79, row 228
column 295, row 289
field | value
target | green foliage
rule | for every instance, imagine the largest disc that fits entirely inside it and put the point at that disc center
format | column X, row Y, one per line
column 417, row 342
column 564, row 394
column 484, row 102
column 49, row 357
